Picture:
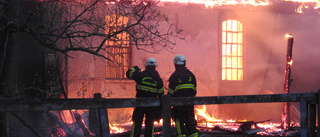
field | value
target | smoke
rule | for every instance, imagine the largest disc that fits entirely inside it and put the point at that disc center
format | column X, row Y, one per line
column 265, row 48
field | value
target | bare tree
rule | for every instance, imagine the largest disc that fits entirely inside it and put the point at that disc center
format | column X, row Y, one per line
column 85, row 26
column 79, row 25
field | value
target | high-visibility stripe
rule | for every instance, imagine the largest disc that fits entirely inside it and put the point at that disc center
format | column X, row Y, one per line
column 148, row 83
column 132, row 130
column 178, row 127
column 152, row 131
column 161, row 90
column 170, row 91
column 145, row 88
column 184, row 86
column 190, row 79
column 194, row 135
column 131, row 72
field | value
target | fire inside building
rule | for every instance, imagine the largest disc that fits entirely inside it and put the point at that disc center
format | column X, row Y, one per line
column 233, row 48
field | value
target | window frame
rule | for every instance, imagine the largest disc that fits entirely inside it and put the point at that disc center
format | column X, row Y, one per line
column 118, row 49
column 232, row 50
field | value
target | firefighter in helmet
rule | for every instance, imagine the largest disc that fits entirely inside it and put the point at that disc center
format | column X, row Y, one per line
column 182, row 83
column 148, row 85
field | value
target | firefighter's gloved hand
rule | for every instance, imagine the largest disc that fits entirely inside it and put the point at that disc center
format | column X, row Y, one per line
column 130, row 72
column 137, row 68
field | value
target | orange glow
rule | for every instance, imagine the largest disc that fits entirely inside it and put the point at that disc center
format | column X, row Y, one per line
column 114, row 128
column 160, row 122
column 289, row 36
column 215, row 3
column 205, row 121
column 119, row 49
column 232, row 50
column 265, row 128
column 203, row 113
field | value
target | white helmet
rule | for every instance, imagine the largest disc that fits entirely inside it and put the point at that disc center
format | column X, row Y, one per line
column 151, row 62
column 179, row 60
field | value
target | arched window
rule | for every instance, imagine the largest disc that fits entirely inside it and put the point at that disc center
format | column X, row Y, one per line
column 118, row 47
column 232, row 50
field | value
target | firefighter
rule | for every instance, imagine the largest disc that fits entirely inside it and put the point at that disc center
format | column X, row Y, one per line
column 182, row 83
column 148, row 85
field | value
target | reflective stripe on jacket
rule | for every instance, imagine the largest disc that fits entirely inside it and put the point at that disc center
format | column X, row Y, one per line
column 182, row 83
column 149, row 83
column 150, row 89
column 182, row 86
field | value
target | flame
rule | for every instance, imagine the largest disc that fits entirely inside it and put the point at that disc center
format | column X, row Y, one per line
column 203, row 113
column 265, row 128
column 114, row 128
column 215, row 3
column 304, row 4
column 207, row 122
column 288, row 36
column 160, row 122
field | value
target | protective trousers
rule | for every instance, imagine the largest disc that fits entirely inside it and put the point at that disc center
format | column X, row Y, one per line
column 137, row 119
column 185, row 122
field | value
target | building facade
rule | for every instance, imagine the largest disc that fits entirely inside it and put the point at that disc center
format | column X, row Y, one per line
column 232, row 51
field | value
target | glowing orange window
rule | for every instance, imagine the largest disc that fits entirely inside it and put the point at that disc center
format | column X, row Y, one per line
column 232, row 50
column 118, row 48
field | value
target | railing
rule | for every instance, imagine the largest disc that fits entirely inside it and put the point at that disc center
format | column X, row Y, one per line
column 308, row 106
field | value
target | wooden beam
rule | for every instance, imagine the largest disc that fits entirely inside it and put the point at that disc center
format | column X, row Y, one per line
column 89, row 103
column 166, row 114
column 304, row 118
column 318, row 127
column 101, row 120
column 269, row 98
column 312, row 119
column 68, row 104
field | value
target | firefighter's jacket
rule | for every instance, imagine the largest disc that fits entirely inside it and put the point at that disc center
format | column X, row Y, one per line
column 149, row 83
column 182, row 83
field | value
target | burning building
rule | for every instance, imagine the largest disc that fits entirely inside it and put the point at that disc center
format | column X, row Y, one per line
column 233, row 48
column 236, row 50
